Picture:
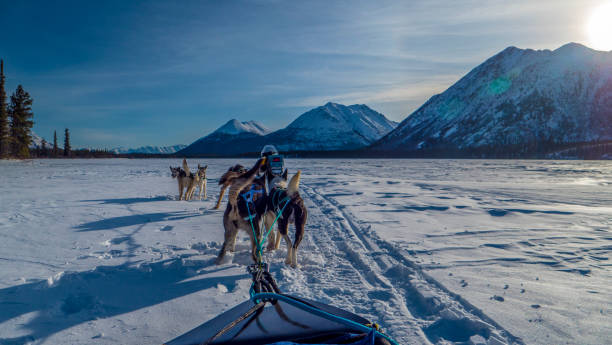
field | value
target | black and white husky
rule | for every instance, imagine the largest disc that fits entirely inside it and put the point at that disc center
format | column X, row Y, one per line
column 284, row 201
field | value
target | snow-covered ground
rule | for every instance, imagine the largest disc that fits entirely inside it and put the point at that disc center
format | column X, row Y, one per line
column 436, row 251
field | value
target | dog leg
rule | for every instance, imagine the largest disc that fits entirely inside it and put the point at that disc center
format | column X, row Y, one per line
column 203, row 187
column 220, row 197
column 229, row 241
column 300, row 222
column 268, row 220
column 283, row 229
column 278, row 239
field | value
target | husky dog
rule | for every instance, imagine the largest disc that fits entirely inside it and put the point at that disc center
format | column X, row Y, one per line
column 224, row 181
column 182, row 178
column 240, row 213
column 286, row 200
column 197, row 180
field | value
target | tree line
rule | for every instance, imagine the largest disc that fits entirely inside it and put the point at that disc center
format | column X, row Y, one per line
column 16, row 121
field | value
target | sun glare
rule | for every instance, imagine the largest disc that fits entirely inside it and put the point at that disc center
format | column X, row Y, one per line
column 599, row 27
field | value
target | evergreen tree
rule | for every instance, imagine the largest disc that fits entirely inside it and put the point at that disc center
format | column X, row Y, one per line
column 66, row 143
column 4, row 124
column 55, row 144
column 21, row 115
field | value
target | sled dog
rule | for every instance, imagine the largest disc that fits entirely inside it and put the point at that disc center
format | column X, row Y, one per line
column 182, row 178
column 241, row 213
column 224, row 181
column 285, row 199
column 197, row 180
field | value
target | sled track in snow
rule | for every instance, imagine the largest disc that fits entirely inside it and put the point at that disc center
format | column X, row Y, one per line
column 348, row 265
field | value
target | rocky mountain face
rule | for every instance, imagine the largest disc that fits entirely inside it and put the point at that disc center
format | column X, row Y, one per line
column 518, row 100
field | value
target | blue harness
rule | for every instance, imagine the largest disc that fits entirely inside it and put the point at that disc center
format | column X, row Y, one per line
column 248, row 199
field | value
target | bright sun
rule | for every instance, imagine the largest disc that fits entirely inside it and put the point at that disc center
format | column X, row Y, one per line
column 599, row 28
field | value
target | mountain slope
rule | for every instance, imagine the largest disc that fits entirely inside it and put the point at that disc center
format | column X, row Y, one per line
column 234, row 137
column 234, row 127
column 333, row 127
column 520, row 99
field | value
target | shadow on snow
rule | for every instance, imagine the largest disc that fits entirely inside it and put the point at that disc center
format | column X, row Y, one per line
column 106, row 291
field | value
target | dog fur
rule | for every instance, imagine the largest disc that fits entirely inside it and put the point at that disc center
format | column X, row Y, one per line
column 294, row 211
column 224, row 181
column 183, row 179
column 238, row 209
column 197, row 180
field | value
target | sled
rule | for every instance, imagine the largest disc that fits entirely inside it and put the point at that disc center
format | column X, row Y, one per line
column 279, row 319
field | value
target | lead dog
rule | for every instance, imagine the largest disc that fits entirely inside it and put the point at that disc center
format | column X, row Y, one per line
column 224, row 181
column 243, row 214
column 284, row 201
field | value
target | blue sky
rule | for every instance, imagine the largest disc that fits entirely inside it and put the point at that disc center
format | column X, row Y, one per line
column 132, row 73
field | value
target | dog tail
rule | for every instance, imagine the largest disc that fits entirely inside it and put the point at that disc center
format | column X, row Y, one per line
column 186, row 167
column 294, row 184
column 239, row 181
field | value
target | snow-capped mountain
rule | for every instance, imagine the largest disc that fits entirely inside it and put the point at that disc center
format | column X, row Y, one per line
column 520, row 99
column 149, row 149
column 37, row 141
column 326, row 128
column 331, row 127
column 231, row 138
column 233, row 127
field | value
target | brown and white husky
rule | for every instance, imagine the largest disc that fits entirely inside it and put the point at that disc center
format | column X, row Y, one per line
column 243, row 214
column 197, row 180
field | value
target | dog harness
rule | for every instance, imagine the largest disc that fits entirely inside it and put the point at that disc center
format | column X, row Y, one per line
column 248, row 199
column 277, row 200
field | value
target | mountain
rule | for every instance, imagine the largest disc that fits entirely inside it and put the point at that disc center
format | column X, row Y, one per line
column 230, row 139
column 326, row 128
column 234, row 127
column 149, row 149
column 332, row 127
column 37, row 141
column 520, row 101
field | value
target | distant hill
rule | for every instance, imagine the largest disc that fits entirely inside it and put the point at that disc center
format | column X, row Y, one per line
column 326, row 128
column 518, row 102
column 149, row 149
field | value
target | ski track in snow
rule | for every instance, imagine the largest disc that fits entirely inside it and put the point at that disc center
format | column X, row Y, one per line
column 120, row 265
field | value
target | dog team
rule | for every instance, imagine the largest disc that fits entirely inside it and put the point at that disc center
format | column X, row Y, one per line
column 258, row 198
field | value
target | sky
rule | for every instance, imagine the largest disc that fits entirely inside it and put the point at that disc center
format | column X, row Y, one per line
column 134, row 73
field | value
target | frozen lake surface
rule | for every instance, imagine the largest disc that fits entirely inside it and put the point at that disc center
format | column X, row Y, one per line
column 436, row 251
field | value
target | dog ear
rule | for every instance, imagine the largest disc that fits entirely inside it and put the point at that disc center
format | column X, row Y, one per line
column 206, row 167
column 199, row 166
column 285, row 174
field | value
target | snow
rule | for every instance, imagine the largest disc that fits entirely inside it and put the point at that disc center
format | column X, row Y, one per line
column 234, row 127
column 150, row 149
column 37, row 141
column 357, row 118
column 436, row 251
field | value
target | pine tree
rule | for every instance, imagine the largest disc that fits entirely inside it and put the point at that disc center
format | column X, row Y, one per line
column 55, row 151
column 66, row 143
column 4, row 125
column 21, row 115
